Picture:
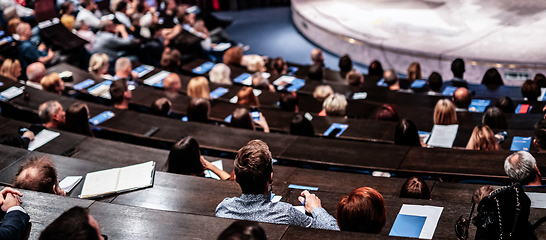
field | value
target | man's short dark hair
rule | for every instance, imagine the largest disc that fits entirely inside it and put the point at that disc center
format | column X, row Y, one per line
column 85, row 3
column 42, row 178
column 530, row 90
column 435, row 81
column 72, row 224
column 345, row 63
column 288, row 102
column 198, row 110
column 121, row 5
column 316, row 72
column 253, row 167
column 161, row 107
column 540, row 134
column 457, row 67
column 117, row 90
column 540, row 79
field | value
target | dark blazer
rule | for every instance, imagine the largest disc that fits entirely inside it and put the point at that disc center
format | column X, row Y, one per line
column 14, row 225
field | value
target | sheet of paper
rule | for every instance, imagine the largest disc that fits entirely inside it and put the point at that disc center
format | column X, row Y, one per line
column 156, row 78
column 443, row 135
column 520, row 144
column 228, row 119
column 69, row 182
column 538, row 200
column 218, row 92
column 221, row 47
column 100, row 118
column 245, row 79
column 300, row 208
column 360, row 95
column 11, row 92
column 135, row 176
column 381, row 83
column 85, row 84
column 542, row 93
column 431, row 213
column 101, row 182
column 276, row 198
column 283, row 81
column 100, row 89
column 42, row 138
column 211, row 174
column 203, row 68
column 407, row 226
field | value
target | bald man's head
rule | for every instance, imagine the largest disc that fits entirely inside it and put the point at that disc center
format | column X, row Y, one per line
column 38, row 174
column 462, row 98
column 172, row 83
column 36, row 71
column 316, row 56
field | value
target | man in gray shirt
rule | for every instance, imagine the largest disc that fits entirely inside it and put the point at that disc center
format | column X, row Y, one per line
column 254, row 173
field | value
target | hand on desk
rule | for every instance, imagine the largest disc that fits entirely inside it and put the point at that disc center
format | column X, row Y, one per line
column 29, row 135
column 311, row 201
column 9, row 197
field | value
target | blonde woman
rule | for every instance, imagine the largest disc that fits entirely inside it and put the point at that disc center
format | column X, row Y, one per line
column 53, row 83
column 334, row 105
column 483, row 138
column 444, row 113
column 414, row 71
column 11, row 69
column 198, row 87
column 98, row 66
column 220, row 74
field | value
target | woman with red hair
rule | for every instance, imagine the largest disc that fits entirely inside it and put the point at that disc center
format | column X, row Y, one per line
column 363, row 210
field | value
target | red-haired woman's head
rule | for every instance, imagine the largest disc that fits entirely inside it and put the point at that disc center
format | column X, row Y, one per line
column 387, row 112
column 363, row 210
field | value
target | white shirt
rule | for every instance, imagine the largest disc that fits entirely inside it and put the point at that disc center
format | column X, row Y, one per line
column 21, row 11
column 122, row 18
column 91, row 19
column 89, row 36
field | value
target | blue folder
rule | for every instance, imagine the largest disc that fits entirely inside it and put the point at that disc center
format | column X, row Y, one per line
column 218, row 92
column 407, row 226
column 340, row 126
column 205, row 67
column 381, row 83
column 295, row 85
column 478, row 105
column 85, row 84
column 520, row 144
column 242, row 77
column 418, row 83
column 96, row 120
column 449, row 90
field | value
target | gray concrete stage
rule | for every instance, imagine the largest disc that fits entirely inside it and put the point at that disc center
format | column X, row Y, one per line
column 505, row 34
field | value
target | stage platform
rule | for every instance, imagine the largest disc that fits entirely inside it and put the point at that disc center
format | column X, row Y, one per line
column 508, row 35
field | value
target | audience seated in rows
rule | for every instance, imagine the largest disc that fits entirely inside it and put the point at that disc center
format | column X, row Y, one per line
column 53, row 83
column 77, row 119
column 279, row 66
column 198, row 110
column 414, row 72
column 458, row 69
column 120, row 94
column 243, row 230
column 185, row 158
column 444, row 113
column 483, row 138
column 220, row 74
column 492, row 77
column 415, row 187
column 539, row 136
column 246, row 97
column 435, row 83
column 322, row 92
column 241, row 118
column 289, row 102
column 11, row 69
column 495, row 119
column 345, row 65
column 387, row 112
column 301, row 126
column 198, row 87
column 462, row 99
column 111, row 39
column 38, row 174
column 406, row 133
column 15, row 219
column 75, row 223
column 506, row 105
column 254, row 174
column 334, row 105
column 521, row 167
column 363, row 210
column 161, row 107
column 391, row 79
column 530, row 90
column 52, row 115
column 172, row 83
column 98, row 66
column 28, row 50
column 375, row 69
column 354, row 78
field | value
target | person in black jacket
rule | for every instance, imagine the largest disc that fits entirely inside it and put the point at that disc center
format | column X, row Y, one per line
column 15, row 221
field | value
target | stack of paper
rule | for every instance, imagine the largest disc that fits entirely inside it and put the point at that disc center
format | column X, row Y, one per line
column 69, row 182
column 157, row 79
column 521, row 144
column 443, row 135
column 11, row 92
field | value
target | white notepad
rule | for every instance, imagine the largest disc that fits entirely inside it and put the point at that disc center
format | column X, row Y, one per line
column 118, row 180
column 211, row 174
column 443, row 135
column 42, row 138
column 69, row 182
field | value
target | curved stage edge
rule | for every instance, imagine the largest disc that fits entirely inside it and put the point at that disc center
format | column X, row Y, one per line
column 399, row 59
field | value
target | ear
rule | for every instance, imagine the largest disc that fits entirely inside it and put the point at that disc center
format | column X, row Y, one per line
column 55, row 189
column 535, row 143
column 271, row 179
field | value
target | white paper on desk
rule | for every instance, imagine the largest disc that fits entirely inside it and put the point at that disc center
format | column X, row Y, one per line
column 300, row 208
column 443, row 135
column 221, row 47
column 42, row 138
column 156, row 78
column 12, row 92
column 432, row 214
column 69, row 182
column 211, row 174
column 538, row 200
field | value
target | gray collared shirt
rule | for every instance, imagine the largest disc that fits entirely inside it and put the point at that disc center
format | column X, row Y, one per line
column 258, row 207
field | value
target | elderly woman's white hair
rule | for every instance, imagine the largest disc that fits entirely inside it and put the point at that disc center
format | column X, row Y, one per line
column 521, row 167
column 220, row 74
column 96, row 61
column 254, row 63
column 334, row 105
column 322, row 92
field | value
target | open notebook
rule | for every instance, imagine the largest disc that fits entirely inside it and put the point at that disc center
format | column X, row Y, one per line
column 118, row 180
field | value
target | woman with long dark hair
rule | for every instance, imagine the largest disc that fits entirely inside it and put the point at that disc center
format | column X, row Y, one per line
column 77, row 119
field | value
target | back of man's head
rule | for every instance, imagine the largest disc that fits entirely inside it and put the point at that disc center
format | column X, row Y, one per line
column 334, row 105
column 435, row 82
column 462, row 98
column 161, row 107
column 289, row 101
column 73, row 224
column 316, row 56
column 457, row 67
column 198, row 110
column 23, row 30
column 316, row 72
column 10, row 13
column 540, row 135
column 345, row 63
column 521, row 167
column 86, row 3
column 37, row 174
column 35, row 72
column 123, row 65
column 172, row 83
column 253, row 167
column 390, row 76
column 47, row 109
column 354, row 78
column 117, row 90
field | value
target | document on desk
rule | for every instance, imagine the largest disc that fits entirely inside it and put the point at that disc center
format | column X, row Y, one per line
column 100, row 89
column 203, row 68
column 449, row 91
column 443, row 135
column 381, row 83
column 418, row 83
column 85, row 84
column 478, row 105
column 157, row 79
column 211, row 174
column 10, row 93
column 221, row 46
column 42, row 138
column 521, row 144
column 416, row 221
column 245, row 79
column 538, row 200
column 424, row 136
column 69, row 182
column 118, row 180
column 218, row 92
column 143, row 70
